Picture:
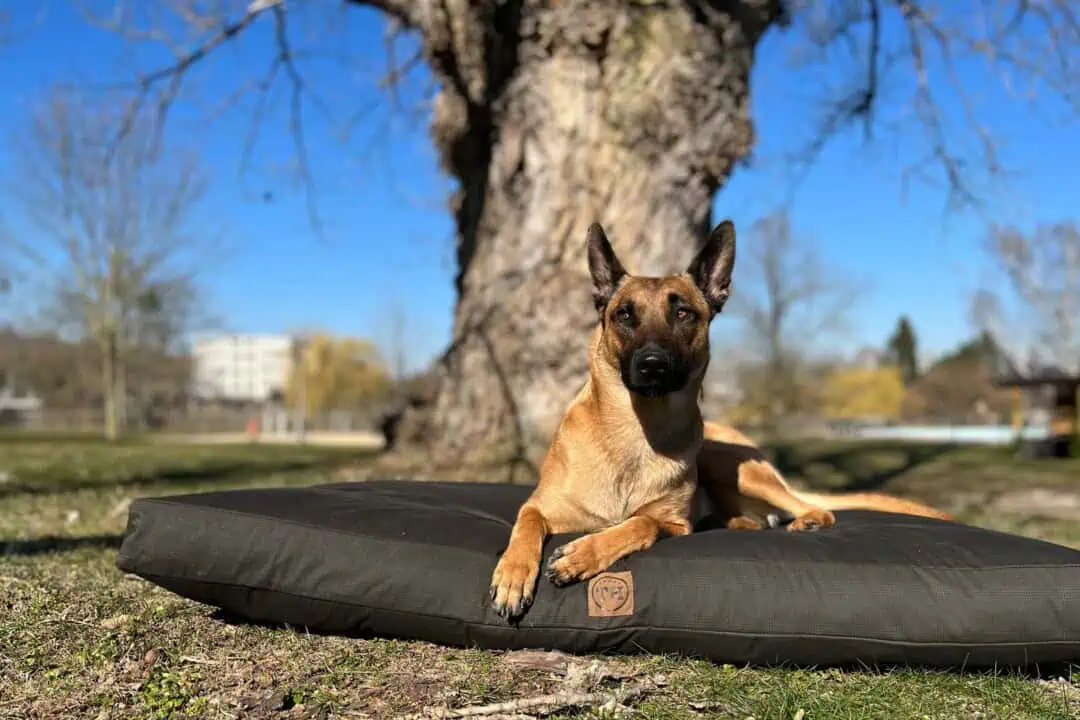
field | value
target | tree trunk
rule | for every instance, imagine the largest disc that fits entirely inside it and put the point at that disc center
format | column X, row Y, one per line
column 109, row 389
column 625, row 113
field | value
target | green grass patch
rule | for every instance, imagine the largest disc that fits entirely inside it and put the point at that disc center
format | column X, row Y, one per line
column 81, row 640
column 60, row 465
column 932, row 471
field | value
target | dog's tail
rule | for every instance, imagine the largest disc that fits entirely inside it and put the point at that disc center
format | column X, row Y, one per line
column 872, row 501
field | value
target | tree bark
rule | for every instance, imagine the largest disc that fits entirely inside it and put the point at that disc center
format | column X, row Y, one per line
column 551, row 116
column 109, row 389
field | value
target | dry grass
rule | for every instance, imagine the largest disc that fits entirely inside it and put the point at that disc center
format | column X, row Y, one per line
column 80, row 640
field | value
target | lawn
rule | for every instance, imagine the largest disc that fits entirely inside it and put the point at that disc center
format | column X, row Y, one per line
column 78, row 639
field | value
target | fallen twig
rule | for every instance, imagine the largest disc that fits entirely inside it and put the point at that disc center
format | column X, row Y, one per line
column 552, row 661
column 119, row 509
column 198, row 661
column 545, row 703
column 66, row 621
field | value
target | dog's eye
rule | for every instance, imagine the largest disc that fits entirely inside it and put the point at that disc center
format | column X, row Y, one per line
column 622, row 313
column 683, row 314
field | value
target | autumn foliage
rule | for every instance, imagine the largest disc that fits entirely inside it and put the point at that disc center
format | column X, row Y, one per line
column 337, row 374
column 858, row 392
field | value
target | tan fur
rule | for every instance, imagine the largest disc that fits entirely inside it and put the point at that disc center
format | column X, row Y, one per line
column 759, row 489
column 625, row 467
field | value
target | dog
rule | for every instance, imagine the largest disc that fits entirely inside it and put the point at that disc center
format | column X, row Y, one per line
column 632, row 457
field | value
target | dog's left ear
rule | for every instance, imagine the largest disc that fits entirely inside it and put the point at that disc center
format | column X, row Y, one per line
column 606, row 270
column 711, row 268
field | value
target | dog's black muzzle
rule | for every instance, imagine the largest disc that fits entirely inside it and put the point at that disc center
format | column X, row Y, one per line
column 652, row 371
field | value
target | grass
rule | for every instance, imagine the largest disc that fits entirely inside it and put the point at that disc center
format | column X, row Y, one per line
column 80, row 640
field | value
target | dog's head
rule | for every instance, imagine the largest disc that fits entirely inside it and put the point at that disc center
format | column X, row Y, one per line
column 655, row 330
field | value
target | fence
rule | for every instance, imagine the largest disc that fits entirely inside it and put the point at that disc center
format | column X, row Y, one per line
column 231, row 420
column 196, row 420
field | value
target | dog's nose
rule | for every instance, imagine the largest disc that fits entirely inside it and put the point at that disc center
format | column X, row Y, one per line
column 652, row 365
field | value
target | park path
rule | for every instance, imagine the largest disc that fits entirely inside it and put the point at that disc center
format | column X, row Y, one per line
column 357, row 439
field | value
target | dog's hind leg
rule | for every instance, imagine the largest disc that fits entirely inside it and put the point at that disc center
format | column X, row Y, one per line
column 514, row 581
column 758, row 480
column 743, row 522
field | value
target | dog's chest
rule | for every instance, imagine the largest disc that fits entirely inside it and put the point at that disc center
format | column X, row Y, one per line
column 637, row 481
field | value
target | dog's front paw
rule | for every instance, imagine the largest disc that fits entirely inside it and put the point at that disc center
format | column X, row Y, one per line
column 812, row 520
column 512, row 586
column 573, row 562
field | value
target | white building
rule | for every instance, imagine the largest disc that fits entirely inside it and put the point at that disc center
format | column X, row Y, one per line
column 240, row 367
column 868, row 358
column 19, row 408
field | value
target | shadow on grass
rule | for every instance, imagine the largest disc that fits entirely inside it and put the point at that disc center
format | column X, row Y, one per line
column 1031, row 671
column 225, row 472
column 21, row 436
column 54, row 544
column 858, row 466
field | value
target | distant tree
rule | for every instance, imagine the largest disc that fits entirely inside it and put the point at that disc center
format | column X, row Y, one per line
column 789, row 301
column 852, row 393
column 959, row 387
column 394, row 342
column 336, row 373
column 55, row 370
column 1034, row 297
column 978, row 350
column 66, row 374
column 901, row 350
column 115, row 243
column 766, row 405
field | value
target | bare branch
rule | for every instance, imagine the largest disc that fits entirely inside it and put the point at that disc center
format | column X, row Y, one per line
column 263, row 87
column 1039, row 39
column 790, row 302
column 159, row 89
column 866, row 106
column 1038, row 279
column 173, row 74
column 395, row 74
column 121, row 23
column 408, row 13
column 928, row 109
column 296, row 113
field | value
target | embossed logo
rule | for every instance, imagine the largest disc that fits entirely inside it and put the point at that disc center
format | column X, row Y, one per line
column 611, row 594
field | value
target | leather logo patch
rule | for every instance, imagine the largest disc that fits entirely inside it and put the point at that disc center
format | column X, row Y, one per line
column 611, row 594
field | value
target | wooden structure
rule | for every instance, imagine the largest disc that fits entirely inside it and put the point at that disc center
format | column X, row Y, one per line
column 1057, row 393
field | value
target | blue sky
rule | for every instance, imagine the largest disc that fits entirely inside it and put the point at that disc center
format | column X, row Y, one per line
column 389, row 238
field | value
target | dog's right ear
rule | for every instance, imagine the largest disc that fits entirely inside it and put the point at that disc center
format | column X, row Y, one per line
column 606, row 270
column 711, row 268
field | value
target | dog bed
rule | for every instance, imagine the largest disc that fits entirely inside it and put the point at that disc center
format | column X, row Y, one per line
column 403, row 559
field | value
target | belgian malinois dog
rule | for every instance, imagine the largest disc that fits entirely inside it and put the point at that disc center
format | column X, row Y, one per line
column 632, row 457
